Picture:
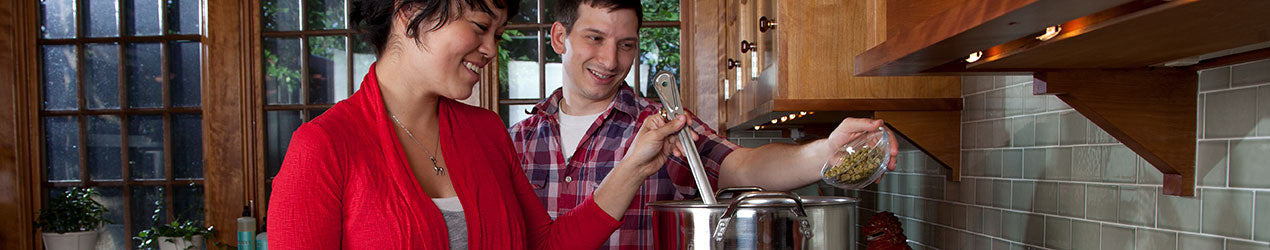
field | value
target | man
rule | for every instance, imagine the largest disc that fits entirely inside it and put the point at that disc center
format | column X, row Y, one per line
column 576, row 136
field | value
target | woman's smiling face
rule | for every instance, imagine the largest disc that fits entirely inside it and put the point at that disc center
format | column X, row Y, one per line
column 449, row 58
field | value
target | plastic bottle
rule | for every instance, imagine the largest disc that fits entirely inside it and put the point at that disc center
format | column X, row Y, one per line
column 262, row 239
column 246, row 229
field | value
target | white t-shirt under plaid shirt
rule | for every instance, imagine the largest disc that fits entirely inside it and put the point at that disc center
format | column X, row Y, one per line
column 563, row 183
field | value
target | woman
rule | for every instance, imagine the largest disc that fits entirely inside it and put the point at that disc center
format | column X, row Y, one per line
column 401, row 165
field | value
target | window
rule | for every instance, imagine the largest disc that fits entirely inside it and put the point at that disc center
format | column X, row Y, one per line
column 529, row 70
column 120, row 108
column 311, row 59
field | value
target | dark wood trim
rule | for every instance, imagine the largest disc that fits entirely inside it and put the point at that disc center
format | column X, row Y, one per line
column 1151, row 111
column 896, row 104
column 16, row 57
column 228, row 69
column 122, row 39
column 123, row 111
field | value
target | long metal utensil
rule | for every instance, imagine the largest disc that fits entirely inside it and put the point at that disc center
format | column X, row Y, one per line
column 668, row 88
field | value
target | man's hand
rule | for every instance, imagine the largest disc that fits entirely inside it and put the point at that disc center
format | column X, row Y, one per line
column 852, row 128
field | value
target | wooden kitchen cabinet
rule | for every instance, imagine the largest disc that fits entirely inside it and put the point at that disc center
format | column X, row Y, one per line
column 783, row 57
column 1128, row 66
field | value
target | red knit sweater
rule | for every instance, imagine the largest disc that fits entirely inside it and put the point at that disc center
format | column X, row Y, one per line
column 345, row 184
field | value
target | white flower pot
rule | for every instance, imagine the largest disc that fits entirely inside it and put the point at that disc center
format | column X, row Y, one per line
column 86, row 240
column 178, row 243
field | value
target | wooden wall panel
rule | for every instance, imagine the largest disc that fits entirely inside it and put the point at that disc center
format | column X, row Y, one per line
column 227, row 117
column 17, row 53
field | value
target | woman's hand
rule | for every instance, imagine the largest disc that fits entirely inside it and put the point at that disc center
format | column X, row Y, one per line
column 645, row 156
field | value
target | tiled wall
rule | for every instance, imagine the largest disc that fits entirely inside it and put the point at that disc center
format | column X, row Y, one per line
column 1036, row 174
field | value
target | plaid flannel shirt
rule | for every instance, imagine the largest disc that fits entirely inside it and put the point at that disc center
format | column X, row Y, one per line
column 563, row 183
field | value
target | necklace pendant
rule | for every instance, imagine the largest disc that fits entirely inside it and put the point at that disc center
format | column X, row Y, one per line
column 435, row 167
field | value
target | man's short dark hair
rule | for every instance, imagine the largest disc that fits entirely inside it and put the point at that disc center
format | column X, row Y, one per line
column 566, row 11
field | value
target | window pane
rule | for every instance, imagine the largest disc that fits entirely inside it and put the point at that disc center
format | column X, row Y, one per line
column 280, row 14
column 104, row 148
column 554, row 70
column 61, row 148
column 528, row 12
column 279, row 125
column 183, row 16
column 184, row 69
column 324, row 14
column 328, row 69
column 101, row 77
column 314, row 113
column 659, row 48
column 519, row 72
column 144, row 19
column 187, row 146
column 58, row 18
column 144, row 208
column 548, row 6
column 363, row 57
column 282, row 70
column 513, row 114
column 145, row 147
column 103, row 18
column 660, row 10
column 60, row 87
column 189, row 202
column 113, row 237
column 145, row 88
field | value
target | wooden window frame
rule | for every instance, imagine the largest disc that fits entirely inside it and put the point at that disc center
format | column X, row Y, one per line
column 495, row 102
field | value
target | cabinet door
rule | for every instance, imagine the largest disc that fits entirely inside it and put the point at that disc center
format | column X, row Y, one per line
column 765, row 24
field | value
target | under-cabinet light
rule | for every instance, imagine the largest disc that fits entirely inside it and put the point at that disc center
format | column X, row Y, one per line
column 974, row 57
column 1050, row 32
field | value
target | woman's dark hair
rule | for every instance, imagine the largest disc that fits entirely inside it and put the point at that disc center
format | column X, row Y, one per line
column 567, row 10
column 374, row 18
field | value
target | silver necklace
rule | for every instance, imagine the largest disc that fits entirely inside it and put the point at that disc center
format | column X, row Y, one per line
column 431, row 156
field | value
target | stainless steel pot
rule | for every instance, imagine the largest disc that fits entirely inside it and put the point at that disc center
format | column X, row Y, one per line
column 756, row 219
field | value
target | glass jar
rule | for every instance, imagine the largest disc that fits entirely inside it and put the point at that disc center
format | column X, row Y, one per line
column 860, row 162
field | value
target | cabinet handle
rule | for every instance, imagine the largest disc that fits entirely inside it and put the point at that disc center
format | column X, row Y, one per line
column 747, row 46
column 732, row 64
column 765, row 24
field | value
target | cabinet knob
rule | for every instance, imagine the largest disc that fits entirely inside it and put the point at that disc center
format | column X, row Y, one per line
column 747, row 46
column 765, row 24
column 732, row 64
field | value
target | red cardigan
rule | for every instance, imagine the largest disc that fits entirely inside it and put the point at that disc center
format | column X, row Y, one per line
column 345, row 184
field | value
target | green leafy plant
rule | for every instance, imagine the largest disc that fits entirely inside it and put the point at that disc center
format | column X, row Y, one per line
column 73, row 211
column 186, row 230
column 180, row 228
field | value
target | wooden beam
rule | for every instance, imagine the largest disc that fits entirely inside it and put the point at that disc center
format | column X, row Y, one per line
column 1151, row 111
column 936, row 133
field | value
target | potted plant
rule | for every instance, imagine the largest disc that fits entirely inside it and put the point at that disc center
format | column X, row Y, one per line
column 178, row 235
column 71, row 220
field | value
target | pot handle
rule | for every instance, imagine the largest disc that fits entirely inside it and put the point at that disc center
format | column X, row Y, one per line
column 733, row 191
column 763, row 197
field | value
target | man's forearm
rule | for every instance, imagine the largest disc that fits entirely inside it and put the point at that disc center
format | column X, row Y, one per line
column 776, row 166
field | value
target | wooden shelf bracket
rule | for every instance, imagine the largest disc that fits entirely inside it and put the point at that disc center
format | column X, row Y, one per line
column 1151, row 111
column 937, row 133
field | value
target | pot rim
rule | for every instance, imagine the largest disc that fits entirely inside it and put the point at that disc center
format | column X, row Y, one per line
column 808, row 202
